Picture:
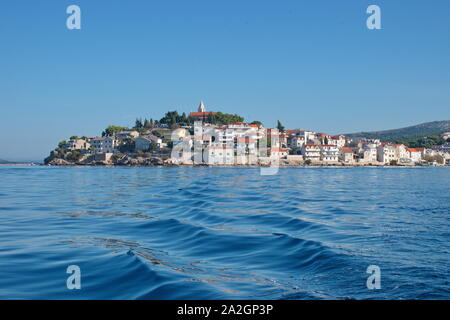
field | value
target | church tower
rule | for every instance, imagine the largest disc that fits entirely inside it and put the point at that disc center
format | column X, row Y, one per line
column 201, row 113
column 201, row 107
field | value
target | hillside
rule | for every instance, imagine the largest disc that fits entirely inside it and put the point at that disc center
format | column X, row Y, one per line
column 434, row 128
column 13, row 162
column 5, row 162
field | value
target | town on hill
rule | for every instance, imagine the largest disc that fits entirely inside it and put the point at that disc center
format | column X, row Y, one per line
column 214, row 138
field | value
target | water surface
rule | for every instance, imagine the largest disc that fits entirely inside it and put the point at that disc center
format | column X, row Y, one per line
column 224, row 233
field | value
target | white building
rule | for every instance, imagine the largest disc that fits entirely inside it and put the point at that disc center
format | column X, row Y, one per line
column 296, row 142
column 277, row 152
column 104, row 144
column 311, row 152
column 215, row 144
column 215, row 155
column 246, row 150
column 77, row 144
column 416, row 154
column 369, row 153
column 337, row 140
column 308, row 136
column 145, row 143
column 329, row 153
column 403, row 153
column 387, row 152
column 347, row 155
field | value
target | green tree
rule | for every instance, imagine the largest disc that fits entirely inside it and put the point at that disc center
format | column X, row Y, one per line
column 423, row 142
column 436, row 158
column 111, row 130
column 224, row 118
column 280, row 127
column 258, row 123
column 184, row 119
column 60, row 151
column 74, row 155
column 138, row 124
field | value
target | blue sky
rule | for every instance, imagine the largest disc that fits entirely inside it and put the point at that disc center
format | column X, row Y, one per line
column 311, row 64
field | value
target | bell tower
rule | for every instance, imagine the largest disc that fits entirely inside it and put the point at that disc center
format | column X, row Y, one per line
column 201, row 107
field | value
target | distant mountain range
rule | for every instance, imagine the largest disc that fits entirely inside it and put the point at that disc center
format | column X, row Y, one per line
column 13, row 162
column 413, row 132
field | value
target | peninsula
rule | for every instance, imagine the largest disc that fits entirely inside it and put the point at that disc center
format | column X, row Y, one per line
column 212, row 138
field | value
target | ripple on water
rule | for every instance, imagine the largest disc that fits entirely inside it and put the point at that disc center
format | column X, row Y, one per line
column 224, row 233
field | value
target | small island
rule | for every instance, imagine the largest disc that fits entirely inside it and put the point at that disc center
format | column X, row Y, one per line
column 206, row 138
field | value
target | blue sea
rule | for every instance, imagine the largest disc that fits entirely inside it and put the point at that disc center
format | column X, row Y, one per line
column 224, row 233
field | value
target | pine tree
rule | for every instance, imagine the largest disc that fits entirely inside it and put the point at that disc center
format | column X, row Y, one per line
column 280, row 127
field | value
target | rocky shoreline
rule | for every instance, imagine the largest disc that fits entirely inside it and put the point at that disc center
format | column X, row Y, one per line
column 127, row 161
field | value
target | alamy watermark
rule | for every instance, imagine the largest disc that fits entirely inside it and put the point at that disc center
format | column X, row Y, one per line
column 74, row 20
column 374, row 280
column 373, row 22
column 74, row 280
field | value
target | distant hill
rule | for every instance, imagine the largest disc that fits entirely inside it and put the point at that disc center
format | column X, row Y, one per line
column 5, row 162
column 13, row 162
column 413, row 132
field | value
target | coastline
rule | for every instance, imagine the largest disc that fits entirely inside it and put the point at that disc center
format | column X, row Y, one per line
column 111, row 165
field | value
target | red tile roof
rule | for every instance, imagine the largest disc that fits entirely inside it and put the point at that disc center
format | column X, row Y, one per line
column 415, row 149
column 347, row 150
column 275, row 149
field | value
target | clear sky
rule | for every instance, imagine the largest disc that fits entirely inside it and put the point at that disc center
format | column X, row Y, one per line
column 312, row 64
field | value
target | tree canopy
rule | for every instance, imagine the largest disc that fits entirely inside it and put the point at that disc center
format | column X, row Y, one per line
column 424, row 142
column 110, row 130
column 224, row 118
column 280, row 127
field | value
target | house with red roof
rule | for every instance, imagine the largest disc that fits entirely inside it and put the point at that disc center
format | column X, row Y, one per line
column 347, row 155
column 416, row 154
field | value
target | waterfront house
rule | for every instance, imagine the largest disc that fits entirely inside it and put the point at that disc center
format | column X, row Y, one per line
column 277, row 152
column 311, row 152
column 104, row 144
column 416, row 154
column 77, row 144
column 145, row 143
column 329, row 153
column 386, row 153
column 245, row 150
column 347, row 155
column 369, row 153
column 391, row 152
column 219, row 155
